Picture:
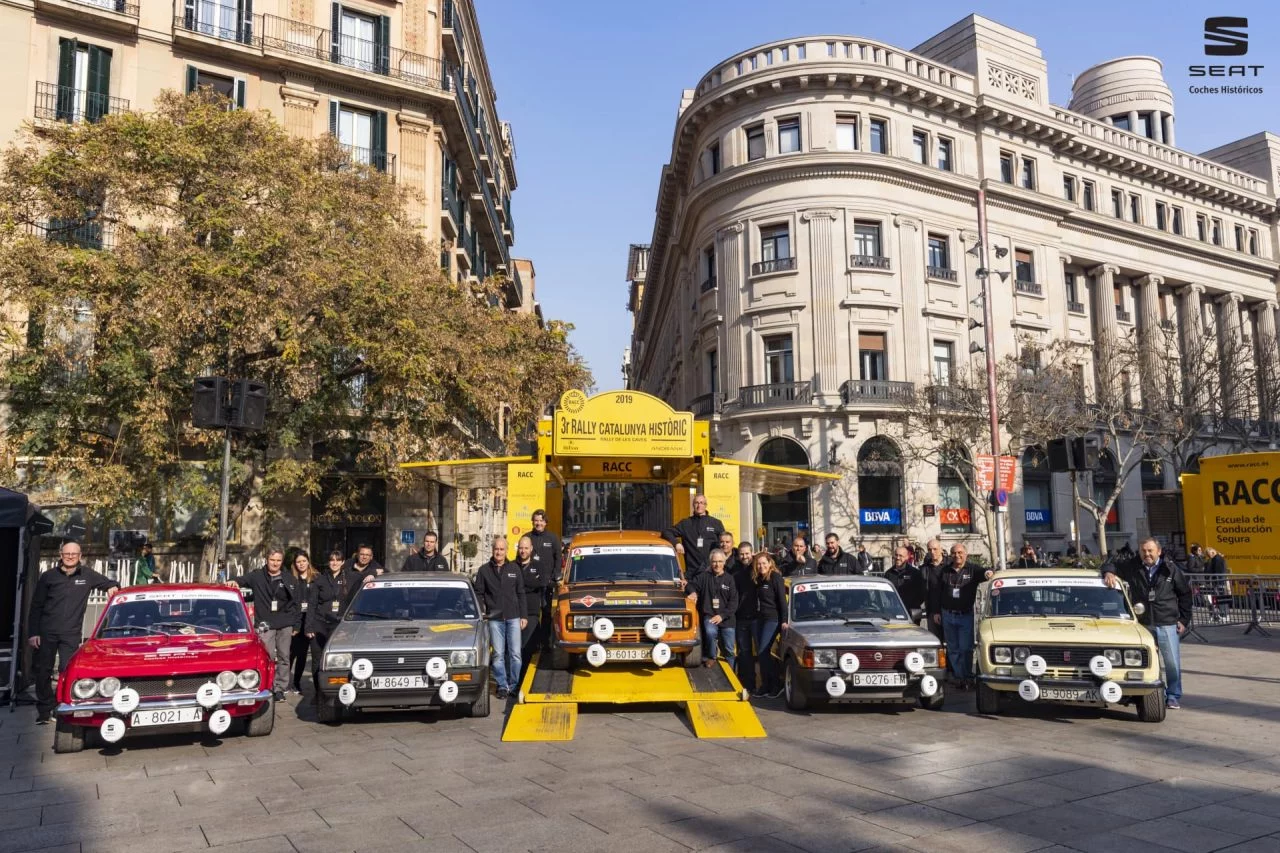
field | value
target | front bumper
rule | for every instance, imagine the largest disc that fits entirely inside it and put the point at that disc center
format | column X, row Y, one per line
column 577, row 646
column 239, row 703
column 413, row 697
column 815, row 685
column 1009, row 684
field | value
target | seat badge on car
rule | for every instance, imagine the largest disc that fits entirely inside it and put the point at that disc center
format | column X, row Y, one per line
column 587, row 600
column 399, row 660
column 878, row 656
column 1066, row 657
column 168, row 682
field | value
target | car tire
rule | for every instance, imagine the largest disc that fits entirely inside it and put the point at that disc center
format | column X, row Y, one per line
column 693, row 657
column 480, row 707
column 68, row 738
column 558, row 659
column 1151, row 708
column 796, row 698
column 988, row 700
column 262, row 722
column 328, row 710
column 934, row 702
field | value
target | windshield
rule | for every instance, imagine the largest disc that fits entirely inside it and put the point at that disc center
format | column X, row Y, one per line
column 1054, row 598
column 392, row 600
column 813, row 602
column 167, row 613
column 623, row 563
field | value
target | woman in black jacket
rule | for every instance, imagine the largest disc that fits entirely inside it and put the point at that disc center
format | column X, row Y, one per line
column 327, row 600
column 304, row 575
column 771, row 599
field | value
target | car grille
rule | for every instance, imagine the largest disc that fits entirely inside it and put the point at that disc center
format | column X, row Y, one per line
column 1075, row 657
column 400, row 661
column 636, row 621
column 627, row 637
column 168, row 688
column 889, row 658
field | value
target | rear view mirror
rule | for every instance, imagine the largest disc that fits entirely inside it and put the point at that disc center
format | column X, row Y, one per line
column 916, row 614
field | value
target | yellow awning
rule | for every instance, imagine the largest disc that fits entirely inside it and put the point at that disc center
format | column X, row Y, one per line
column 756, row 478
column 469, row 473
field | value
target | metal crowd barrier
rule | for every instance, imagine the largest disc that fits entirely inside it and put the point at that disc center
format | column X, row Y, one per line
column 1251, row 601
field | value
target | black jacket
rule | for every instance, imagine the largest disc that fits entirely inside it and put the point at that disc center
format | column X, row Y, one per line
column 280, row 590
column 864, row 561
column 303, row 588
column 328, row 599
column 843, row 563
column 546, row 552
column 501, row 590
column 1167, row 593
column 910, row 584
column 537, row 577
column 1026, row 563
column 717, row 596
column 771, row 595
column 59, row 601
column 1217, row 565
column 418, row 561
column 373, row 567
column 748, row 605
column 699, row 534
column 791, row 568
column 956, row 589
column 932, row 577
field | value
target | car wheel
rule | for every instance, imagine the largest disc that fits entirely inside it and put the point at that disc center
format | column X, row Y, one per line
column 934, row 702
column 693, row 657
column 68, row 738
column 478, row 708
column 1151, row 708
column 796, row 698
column 263, row 721
column 328, row 710
column 988, row 700
column 558, row 659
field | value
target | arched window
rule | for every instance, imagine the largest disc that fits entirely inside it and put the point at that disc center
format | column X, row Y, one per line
column 1104, row 483
column 955, row 510
column 880, row 486
column 1037, row 491
column 784, row 516
column 1152, row 474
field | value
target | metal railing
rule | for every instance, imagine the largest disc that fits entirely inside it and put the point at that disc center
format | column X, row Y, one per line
column 1032, row 287
column 296, row 38
column 222, row 21
column 1075, row 307
column 706, row 404
column 380, row 160
column 775, row 394
column 775, row 265
column 83, row 235
column 117, row 6
column 1123, row 316
column 1233, row 599
column 451, row 203
column 1167, row 325
column 953, row 397
column 707, row 285
column 876, row 391
column 875, row 262
column 943, row 273
column 65, row 103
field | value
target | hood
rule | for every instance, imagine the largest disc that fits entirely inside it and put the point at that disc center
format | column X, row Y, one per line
column 887, row 634
column 1028, row 630
column 602, row 598
column 170, row 655
column 391, row 634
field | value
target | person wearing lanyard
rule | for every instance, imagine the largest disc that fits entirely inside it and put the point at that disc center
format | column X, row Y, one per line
column 328, row 598
column 716, row 597
column 951, row 607
column 277, row 611
column 304, row 575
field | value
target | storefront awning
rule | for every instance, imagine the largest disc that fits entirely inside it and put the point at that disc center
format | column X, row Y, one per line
column 756, row 478
column 469, row 473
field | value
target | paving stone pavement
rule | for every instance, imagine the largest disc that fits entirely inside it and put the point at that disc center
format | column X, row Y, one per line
column 850, row 779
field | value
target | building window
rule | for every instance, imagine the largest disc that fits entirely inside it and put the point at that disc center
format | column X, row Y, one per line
column 847, row 133
column 1037, row 491
column 866, row 239
column 879, row 136
column 1202, row 227
column 954, row 510
column 755, row 142
column 1028, row 173
column 363, row 133
column 1029, row 360
column 775, row 243
column 84, row 82
column 944, row 362
column 708, row 262
column 1177, row 221
column 1135, row 208
column 871, row 356
column 920, row 146
column 713, row 371
column 1074, row 303
column 939, row 253
column 361, row 41
column 1239, row 233
column 1006, row 167
column 1162, row 216
column 1088, row 195
column 1253, row 241
column 880, row 486
column 801, row 51
column 1117, row 204
column 1069, row 188
column 944, row 154
column 789, row 136
column 779, row 367
column 713, row 159
column 1024, row 267
column 230, row 88
column 831, row 48
column 1217, row 231
column 1121, row 122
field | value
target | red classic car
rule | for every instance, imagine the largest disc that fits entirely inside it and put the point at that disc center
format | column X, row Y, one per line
column 169, row 657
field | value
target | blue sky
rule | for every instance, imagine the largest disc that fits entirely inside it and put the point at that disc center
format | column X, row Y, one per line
column 592, row 88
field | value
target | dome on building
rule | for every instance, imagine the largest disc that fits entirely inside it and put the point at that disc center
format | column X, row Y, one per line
column 1129, row 93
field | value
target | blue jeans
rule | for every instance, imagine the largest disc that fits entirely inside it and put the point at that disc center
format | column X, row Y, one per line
column 766, row 632
column 745, row 632
column 723, row 636
column 1170, row 658
column 958, row 630
column 504, row 636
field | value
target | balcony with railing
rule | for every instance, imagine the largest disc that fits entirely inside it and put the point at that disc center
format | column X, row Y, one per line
column 706, row 405
column 1166, row 325
column 299, row 40
column 1031, row 288
column 774, row 265
column 118, row 16
column 1123, row 316
column 1075, row 307
column 869, row 262
column 450, row 208
column 954, row 398
column 221, row 21
column 65, row 103
column 81, row 234
column 775, row 395
column 876, row 392
column 379, row 160
column 708, row 285
column 941, row 273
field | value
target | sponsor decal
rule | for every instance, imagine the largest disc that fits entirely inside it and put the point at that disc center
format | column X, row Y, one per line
column 450, row 626
column 628, row 602
column 179, row 595
column 605, row 550
column 586, row 600
column 821, row 586
column 997, row 584
column 1059, row 582
column 222, row 644
column 418, row 584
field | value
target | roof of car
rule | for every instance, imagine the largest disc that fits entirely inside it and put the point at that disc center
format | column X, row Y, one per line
column 619, row 537
column 1051, row 572
column 877, row 579
column 188, row 587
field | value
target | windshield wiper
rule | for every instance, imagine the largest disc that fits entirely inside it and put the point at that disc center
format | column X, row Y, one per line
column 367, row 615
column 184, row 625
column 145, row 628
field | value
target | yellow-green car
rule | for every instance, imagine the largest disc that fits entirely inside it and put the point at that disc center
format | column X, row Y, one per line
column 1062, row 635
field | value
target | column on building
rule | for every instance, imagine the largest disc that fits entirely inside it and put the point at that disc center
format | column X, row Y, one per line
column 1153, row 349
column 826, row 331
column 729, row 259
column 1106, row 331
column 1157, row 125
column 1268, row 359
column 300, row 111
column 1168, row 130
column 1133, row 121
column 1231, row 351
column 1191, row 323
column 911, row 260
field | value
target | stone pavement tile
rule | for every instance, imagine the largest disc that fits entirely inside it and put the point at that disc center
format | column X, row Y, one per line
column 710, row 830
column 920, row 788
column 38, row 837
column 247, row 772
column 1266, row 802
column 648, row 813
column 284, row 801
column 16, row 786
column 158, row 765
column 1241, row 822
column 16, row 818
column 319, row 779
column 68, row 792
column 496, row 813
column 1036, row 793
column 1096, row 780
column 228, row 829
column 601, row 800
column 54, row 780
column 977, row 838
column 757, row 844
column 655, row 787
column 373, row 813
column 1270, row 764
column 843, row 796
column 387, row 832
column 47, row 763
column 1269, row 844
column 357, row 761
column 215, row 792
column 434, row 844
column 160, row 841
column 271, row 844
column 850, row 834
column 907, row 766
column 1180, row 835
column 477, row 795
column 916, row 819
column 630, row 840
column 1061, row 824
column 979, row 805
column 1139, row 803
column 729, row 798
column 443, row 780
column 567, row 834
column 110, row 789
column 1114, row 842
column 602, row 775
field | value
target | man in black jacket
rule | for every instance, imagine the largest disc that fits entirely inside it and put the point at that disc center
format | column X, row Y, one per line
column 1161, row 585
column 500, row 588
column 54, row 626
column 363, row 562
column 907, row 579
column 836, row 562
column 537, row 578
column 1029, row 558
column 695, row 537
column 798, row 563
column 277, row 609
column 330, row 594
column 744, row 623
column 427, row 558
column 547, row 554
column 716, row 596
column 951, row 606
column 934, row 562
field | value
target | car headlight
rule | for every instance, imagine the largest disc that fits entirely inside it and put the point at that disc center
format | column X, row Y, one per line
column 249, row 679
column 930, row 657
column 226, row 680
column 1001, row 654
column 108, row 686
column 582, row 623
column 1020, row 654
column 674, row 620
column 824, row 657
column 337, row 660
column 1133, row 657
column 1112, row 656
column 84, row 688
column 462, row 657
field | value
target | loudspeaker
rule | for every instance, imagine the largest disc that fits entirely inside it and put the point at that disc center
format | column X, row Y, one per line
column 209, row 403
column 1074, row 454
column 1060, row 458
column 1085, row 453
column 248, row 404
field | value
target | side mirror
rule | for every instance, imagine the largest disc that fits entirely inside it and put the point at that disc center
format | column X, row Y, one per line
column 1139, row 608
column 916, row 615
column 247, row 593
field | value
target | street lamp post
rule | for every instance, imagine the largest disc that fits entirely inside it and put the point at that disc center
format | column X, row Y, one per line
column 988, row 327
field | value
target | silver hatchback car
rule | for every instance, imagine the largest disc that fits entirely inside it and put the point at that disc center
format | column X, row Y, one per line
column 407, row 643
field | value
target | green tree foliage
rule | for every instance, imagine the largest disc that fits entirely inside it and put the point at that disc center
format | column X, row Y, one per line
column 234, row 248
